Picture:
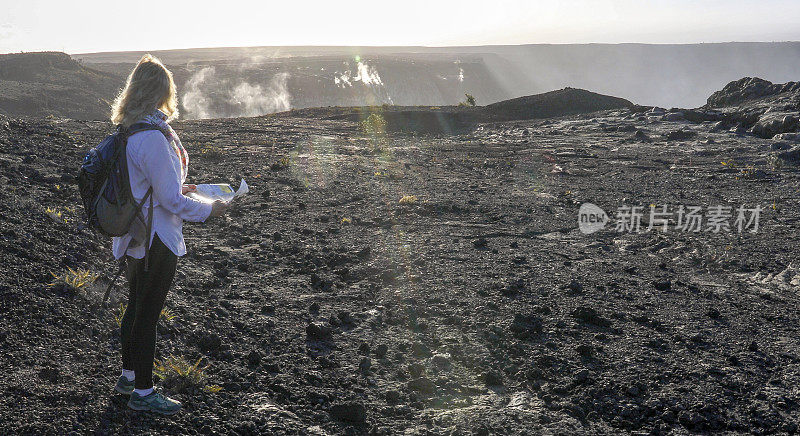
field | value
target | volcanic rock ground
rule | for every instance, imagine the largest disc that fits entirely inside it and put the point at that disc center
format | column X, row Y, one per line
column 323, row 305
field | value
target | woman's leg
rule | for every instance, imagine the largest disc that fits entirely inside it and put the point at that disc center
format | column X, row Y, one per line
column 151, row 292
column 126, row 325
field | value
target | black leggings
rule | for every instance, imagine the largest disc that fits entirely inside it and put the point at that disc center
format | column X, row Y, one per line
column 148, row 291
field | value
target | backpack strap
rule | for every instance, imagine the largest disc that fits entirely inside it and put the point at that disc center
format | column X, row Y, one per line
column 140, row 127
column 114, row 279
column 149, row 229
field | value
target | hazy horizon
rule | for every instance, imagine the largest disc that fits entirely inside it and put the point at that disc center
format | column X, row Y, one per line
column 81, row 28
column 409, row 46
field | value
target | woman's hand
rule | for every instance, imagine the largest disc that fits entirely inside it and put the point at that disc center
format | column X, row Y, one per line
column 218, row 208
column 185, row 189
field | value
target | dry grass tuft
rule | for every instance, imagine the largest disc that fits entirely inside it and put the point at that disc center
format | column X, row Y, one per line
column 408, row 199
column 181, row 375
column 74, row 280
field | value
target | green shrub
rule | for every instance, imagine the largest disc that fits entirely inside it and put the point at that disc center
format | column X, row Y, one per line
column 374, row 124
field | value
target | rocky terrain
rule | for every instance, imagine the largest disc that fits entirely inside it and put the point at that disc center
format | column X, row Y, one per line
column 378, row 282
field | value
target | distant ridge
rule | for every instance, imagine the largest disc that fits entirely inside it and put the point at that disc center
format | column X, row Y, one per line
column 52, row 83
column 456, row 119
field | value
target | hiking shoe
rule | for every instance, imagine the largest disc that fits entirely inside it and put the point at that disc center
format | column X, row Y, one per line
column 124, row 386
column 155, row 402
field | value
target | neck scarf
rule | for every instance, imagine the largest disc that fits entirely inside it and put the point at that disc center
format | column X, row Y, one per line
column 159, row 119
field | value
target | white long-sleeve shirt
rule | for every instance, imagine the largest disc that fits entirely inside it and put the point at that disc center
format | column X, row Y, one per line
column 154, row 161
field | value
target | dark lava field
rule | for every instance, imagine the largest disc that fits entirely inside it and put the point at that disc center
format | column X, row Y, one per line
column 418, row 283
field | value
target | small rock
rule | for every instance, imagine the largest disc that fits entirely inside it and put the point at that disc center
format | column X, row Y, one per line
column 663, row 285
column 208, row 342
column 673, row 116
column 316, row 331
column 525, row 326
column 381, row 350
column 639, row 135
column 513, row 287
column 423, row 385
column 349, row 412
column 585, row 350
column 346, row 317
column 363, row 348
column 780, row 146
column 713, row 313
column 49, row 374
column 254, row 358
column 573, row 286
column 416, row 370
column 441, row 360
column 421, row 350
column 493, row 378
column 392, row 397
column 590, row 316
column 791, row 156
column 792, row 137
column 680, row 135
column 365, row 364
column 479, row 243
column 314, row 307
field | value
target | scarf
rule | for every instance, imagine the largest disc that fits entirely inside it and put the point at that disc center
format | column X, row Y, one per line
column 159, row 119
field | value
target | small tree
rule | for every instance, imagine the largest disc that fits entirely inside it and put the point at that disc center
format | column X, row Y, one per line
column 470, row 100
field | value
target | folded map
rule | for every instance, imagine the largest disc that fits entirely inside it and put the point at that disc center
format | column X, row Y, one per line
column 209, row 193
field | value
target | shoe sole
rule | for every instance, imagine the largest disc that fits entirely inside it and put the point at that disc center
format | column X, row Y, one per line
column 147, row 409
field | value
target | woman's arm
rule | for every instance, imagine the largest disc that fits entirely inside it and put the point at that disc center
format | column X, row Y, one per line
column 160, row 165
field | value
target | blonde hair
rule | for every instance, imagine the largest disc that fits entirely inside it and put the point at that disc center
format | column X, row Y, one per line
column 149, row 87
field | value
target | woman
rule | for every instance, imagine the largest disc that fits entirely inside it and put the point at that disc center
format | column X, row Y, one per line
column 156, row 159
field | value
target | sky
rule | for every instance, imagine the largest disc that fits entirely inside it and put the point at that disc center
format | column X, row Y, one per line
column 89, row 26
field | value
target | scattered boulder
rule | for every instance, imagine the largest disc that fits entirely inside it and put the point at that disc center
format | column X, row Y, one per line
column 381, row 350
column 208, row 342
column 748, row 88
column 663, row 285
column 346, row 317
column 680, row 135
column 422, row 385
column 49, row 374
column 790, row 157
column 493, row 378
column 253, row 358
column 574, row 286
column 585, row 350
column 353, row 412
column 418, row 349
column 588, row 315
column 772, row 123
column 514, row 287
column 365, row 364
column 392, row 396
column 640, row 136
column 673, row 116
column 441, row 360
column 790, row 137
column 525, row 326
column 318, row 332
